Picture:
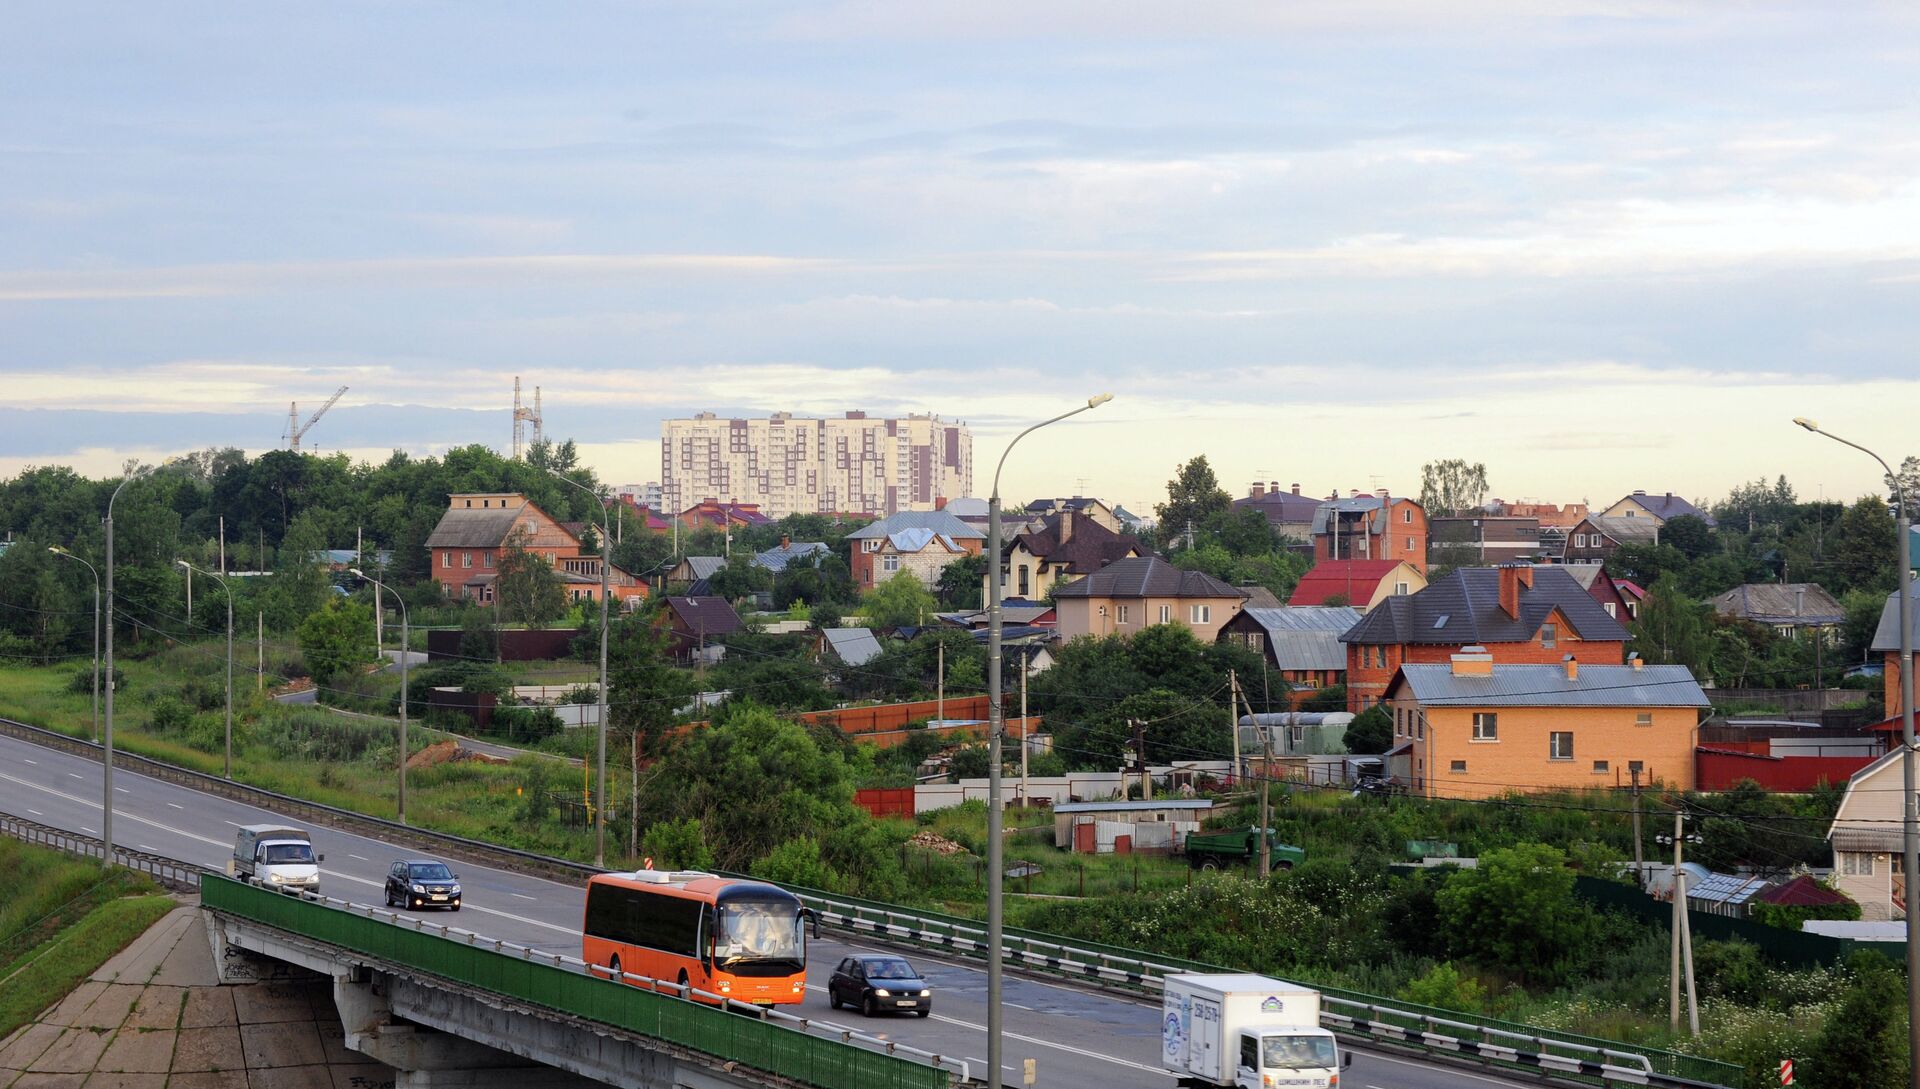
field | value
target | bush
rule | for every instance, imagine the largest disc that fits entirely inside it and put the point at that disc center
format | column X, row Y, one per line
column 1790, row 916
column 676, row 845
column 82, row 682
column 1517, row 912
column 170, row 717
column 1864, row 1041
column 798, row 862
column 1445, row 987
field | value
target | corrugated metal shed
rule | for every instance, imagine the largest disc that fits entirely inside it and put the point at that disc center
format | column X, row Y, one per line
column 1549, row 686
column 1308, row 650
column 854, row 646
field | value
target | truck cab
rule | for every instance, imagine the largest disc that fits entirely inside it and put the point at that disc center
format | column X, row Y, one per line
column 1287, row 1056
column 276, row 857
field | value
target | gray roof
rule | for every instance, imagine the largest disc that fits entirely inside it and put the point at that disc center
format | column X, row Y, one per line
column 1548, row 686
column 1625, row 530
column 854, row 646
column 1886, row 637
column 1333, row 618
column 707, row 616
column 939, row 522
column 1147, row 576
column 1463, row 606
column 1669, row 505
column 704, row 567
column 1304, row 636
column 1371, row 505
column 1583, row 573
column 776, row 559
column 461, row 527
column 1781, row 603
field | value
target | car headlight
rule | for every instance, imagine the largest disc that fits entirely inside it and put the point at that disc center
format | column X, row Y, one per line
column 456, row 890
column 883, row 993
column 419, row 888
column 926, row 994
column 273, row 878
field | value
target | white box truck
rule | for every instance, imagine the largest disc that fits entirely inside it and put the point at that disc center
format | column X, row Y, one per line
column 1247, row 1031
column 277, row 857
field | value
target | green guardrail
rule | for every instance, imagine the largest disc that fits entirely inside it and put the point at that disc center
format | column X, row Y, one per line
column 761, row 1045
column 1671, row 1063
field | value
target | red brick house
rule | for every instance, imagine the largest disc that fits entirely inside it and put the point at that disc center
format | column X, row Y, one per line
column 1520, row 613
column 1370, row 527
column 465, row 548
column 713, row 514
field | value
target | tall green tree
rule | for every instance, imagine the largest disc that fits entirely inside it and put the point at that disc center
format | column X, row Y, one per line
column 961, row 585
column 1194, row 495
column 1672, row 628
column 901, row 601
column 528, row 589
column 1451, row 486
column 1516, row 911
column 644, row 691
column 336, row 639
column 1860, row 550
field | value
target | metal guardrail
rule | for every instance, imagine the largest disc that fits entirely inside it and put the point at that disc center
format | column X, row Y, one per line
column 815, row 1053
column 170, row 872
column 1115, row 968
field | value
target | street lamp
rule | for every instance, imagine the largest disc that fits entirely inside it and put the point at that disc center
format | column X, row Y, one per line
column 106, row 739
column 1910, row 837
column 996, row 726
column 600, row 791
column 229, row 593
column 58, row 551
column 406, row 652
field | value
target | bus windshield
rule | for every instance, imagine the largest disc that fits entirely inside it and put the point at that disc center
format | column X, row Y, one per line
column 750, row 931
column 276, row 853
column 1296, row 1052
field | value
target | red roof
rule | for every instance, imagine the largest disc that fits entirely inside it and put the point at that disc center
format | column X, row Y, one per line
column 1355, row 580
column 1802, row 891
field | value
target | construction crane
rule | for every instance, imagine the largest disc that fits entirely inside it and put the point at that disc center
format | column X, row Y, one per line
column 524, row 415
column 295, row 429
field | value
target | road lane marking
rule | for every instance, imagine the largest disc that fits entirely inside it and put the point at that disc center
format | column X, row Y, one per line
column 236, row 824
column 1083, row 1053
column 362, row 858
column 36, row 812
column 76, row 775
column 178, row 806
column 90, row 831
column 123, row 790
column 1434, row 1067
column 523, row 896
column 35, row 763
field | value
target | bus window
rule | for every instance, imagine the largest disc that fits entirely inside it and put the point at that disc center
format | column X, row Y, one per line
column 752, row 933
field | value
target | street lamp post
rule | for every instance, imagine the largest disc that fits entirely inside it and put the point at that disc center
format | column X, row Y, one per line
column 58, row 551
column 996, row 727
column 229, row 592
column 1910, row 830
column 600, row 791
column 106, row 737
column 406, row 652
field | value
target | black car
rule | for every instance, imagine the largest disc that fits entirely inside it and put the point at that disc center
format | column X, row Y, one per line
column 420, row 882
column 877, row 982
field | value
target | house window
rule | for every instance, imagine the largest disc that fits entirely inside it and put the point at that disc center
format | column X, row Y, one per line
column 1399, row 726
column 1600, row 767
column 1400, row 589
column 1633, row 609
column 486, row 559
column 446, row 559
column 1199, row 614
column 1166, row 614
column 1406, row 516
column 1023, row 580
column 1420, row 726
column 1856, row 863
column 1486, row 726
column 1409, row 544
column 1124, row 611
column 466, row 559
column 1549, row 634
column 1560, row 745
column 1612, row 609
column 1458, row 767
column 1636, row 769
column 1579, row 540
column 1643, row 718
column 890, row 562
column 871, row 544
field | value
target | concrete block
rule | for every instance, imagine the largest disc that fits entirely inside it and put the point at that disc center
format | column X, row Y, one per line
column 27, row 1045
column 292, row 1043
column 77, row 1051
column 138, row 962
column 267, row 1003
column 105, row 1080
column 189, row 963
column 75, row 1004
column 362, row 1076
column 208, row 1006
column 157, row 1008
column 202, row 1049
column 111, row 1008
column 136, row 1052
column 291, row 1077
column 217, row 1079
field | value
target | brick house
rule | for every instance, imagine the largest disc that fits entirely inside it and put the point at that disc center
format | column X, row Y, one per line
column 713, row 514
column 1601, row 587
column 1484, row 539
column 1302, row 643
column 1288, row 512
column 1131, row 595
column 922, row 541
column 1370, row 527
column 465, row 548
column 1067, row 546
column 1598, row 536
column 1469, row 727
column 1362, row 584
column 1658, row 509
column 1518, row 613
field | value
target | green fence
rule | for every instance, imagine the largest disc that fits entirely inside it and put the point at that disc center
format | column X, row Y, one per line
column 759, row 1044
column 1671, row 1063
column 1794, row 948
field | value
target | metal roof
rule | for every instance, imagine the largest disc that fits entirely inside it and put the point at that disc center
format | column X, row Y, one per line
column 854, row 646
column 1783, row 603
column 777, row 559
column 1333, row 618
column 703, row 567
column 1624, row 530
column 1549, row 686
column 1148, row 576
column 938, row 521
column 1726, row 888
column 1886, row 637
column 1308, row 650
column 1463, row 606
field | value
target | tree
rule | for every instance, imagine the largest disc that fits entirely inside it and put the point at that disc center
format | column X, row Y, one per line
column 1690, row 534
column 1516, row 911
column 1909, row 481
column 740, row 578
column 1194, row 495
column 1371, row 732
column 676, row 845
column 1177, row 729
column 336, row 639
column 1672, row 628
column 1861, row 550
column 901, row 601
column 1451, row 486
column 962, row 584
column 644, row 691
column 1863, row 1044
column 528, row 590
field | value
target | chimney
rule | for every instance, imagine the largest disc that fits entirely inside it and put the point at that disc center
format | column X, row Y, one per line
column 1639, row 491
column 1633, row 659
column 786, row 541
column 1473, row 662
column 1381, row 493
column 1065, row 532
column 939, row 502
column 1514, row 576
column 1257, row 490
column 1296, row 487
column 1573, row 667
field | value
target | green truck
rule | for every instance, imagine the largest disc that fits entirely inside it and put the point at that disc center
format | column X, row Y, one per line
column 1212, row 850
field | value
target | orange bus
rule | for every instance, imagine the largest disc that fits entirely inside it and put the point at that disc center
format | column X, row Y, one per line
column 741, row 939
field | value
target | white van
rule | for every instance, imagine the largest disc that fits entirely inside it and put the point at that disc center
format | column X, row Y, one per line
column 277, row 857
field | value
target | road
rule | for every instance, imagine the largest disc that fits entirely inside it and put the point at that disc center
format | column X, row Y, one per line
column 1079, row 1039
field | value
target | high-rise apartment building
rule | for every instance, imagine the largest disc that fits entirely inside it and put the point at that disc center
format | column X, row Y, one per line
column 795, row 465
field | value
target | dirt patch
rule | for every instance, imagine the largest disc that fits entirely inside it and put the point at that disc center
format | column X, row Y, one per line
column 938, row 844
column 448, row 752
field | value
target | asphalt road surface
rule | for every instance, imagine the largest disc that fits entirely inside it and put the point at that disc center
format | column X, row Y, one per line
column 1078, row 1038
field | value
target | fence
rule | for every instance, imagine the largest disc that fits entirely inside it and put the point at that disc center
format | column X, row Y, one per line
column 168, row 871
column 560, row 984
column 1795, row 948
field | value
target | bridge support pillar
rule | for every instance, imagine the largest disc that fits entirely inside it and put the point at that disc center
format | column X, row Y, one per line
column 426, row 1058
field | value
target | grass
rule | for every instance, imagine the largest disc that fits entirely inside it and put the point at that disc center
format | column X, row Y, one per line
column 50, row 971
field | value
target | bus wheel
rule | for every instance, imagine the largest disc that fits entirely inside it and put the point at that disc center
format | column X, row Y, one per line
column 613, row 968
column 686, row 991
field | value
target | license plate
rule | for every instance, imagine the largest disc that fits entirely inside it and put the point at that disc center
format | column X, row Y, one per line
column 439, row 898
column 910, row 1003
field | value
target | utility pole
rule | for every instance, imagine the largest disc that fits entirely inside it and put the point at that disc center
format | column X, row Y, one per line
column 1026, row 728
column 1139, row 728
column 1233, row 707
column 223, row 544
column 260, row 652
column 1682, row 935
column 1266, row 788
column 189, row 597
column 1639, row 862
column 940, row 682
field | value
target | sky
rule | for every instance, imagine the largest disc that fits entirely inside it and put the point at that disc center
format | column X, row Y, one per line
column 1598, row 245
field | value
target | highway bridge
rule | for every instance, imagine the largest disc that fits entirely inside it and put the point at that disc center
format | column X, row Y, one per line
column 1100, row 1029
